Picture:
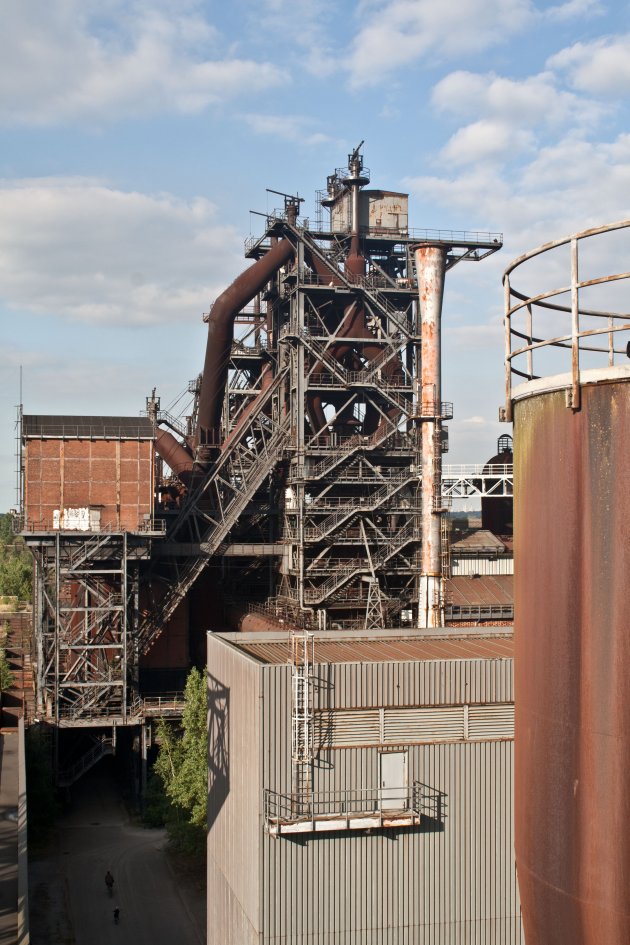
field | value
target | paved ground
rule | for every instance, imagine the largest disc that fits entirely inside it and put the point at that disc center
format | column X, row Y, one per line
column 69, row 900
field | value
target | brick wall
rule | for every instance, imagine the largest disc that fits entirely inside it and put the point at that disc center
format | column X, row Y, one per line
column 113, row 476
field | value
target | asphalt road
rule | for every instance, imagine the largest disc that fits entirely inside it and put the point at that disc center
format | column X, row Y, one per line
column 157, row 907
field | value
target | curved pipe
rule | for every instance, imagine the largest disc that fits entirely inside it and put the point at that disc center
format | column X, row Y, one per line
column 266, row 378
column 221, row 334
column 176, row 456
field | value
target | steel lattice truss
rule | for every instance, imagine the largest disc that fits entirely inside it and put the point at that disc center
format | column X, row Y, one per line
column 84, row 595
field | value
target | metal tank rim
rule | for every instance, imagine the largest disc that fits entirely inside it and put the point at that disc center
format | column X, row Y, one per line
column 556, row 382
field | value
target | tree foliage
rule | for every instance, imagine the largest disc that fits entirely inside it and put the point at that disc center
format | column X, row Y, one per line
column 182, row 767
column 6, row 676
column 16, row 564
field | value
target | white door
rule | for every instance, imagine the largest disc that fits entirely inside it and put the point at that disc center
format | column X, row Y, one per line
column 393, row 784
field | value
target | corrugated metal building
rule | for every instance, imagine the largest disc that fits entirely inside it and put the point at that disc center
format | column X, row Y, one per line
column 397, row 714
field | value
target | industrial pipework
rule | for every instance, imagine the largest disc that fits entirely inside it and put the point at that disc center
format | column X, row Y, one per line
column 318, row 423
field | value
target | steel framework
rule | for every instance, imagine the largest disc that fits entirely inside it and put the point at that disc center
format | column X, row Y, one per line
column 318, row 467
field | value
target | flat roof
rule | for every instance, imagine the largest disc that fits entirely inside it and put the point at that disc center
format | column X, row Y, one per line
column 385, row 646
column 71, row 427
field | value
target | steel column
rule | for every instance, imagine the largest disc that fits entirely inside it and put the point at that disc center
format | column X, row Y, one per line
column 430, row 270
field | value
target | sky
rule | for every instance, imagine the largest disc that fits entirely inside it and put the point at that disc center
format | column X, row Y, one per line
column 137, row 135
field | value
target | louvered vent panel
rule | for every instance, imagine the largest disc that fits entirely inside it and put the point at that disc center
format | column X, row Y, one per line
column 337, row 728
column 444, row 723
column 490, row 721
column 347, row 728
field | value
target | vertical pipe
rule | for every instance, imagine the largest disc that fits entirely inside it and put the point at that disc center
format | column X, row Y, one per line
column 530, row 339
column 508, row 347
column 430, row 269
column 575, row 328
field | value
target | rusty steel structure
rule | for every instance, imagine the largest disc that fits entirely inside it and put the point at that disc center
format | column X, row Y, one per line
column 568, row 390
column 305, row 486
column 318, row 429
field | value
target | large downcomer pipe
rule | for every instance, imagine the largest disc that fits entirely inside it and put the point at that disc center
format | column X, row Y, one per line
column 221, row 334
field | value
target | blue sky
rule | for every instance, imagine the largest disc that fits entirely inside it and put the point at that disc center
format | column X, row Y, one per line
column 136, row 136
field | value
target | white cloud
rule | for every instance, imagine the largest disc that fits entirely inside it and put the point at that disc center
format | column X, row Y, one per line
column 517, row 103
column 80, row 249
column 78, row 60
column 574, row 8
column 314, row 45
column 470, row 337
column 601, row 67
column 486, row 140
column 567, row 186
column 295, row 128
column 509, row 113
column 399, row 32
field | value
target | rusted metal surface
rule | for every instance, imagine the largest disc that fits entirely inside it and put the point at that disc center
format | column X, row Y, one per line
column 386, row 650
column 430, row 268
column 572, row 561
column 220, row 336
column 174, row 454
column 481, row 589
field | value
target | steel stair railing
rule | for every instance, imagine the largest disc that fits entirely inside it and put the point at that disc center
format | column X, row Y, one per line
column 369, row 504
column 190, row 507
column 250, row 479
column 351, row 446
column 315, row 595
column 174, row 423
column 104, row 746
column 354, row 283
column 89, row 548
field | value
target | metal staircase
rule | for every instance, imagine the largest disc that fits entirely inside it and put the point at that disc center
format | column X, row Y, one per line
column 380, row 302
column 369, row 504
column 214, row 507
column 102, row 746
column 315, row 595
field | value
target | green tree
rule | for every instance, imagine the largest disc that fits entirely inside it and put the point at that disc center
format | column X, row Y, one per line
column 16, row 563
column 182, row 767
column 6, row 676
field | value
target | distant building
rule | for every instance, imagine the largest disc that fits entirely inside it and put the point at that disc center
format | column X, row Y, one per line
column 360, row 789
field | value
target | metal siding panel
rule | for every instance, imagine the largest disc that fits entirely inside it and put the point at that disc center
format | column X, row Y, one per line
column 491, row 721
column 422, row 887
column 233, row 797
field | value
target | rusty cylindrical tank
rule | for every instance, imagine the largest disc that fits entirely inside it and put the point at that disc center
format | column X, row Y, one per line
column 572, row 628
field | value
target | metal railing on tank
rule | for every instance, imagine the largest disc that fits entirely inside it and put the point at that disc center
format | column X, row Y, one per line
column 577, row 326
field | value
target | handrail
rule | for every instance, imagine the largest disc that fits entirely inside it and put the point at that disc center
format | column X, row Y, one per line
column 418, row 799
column 574, row 343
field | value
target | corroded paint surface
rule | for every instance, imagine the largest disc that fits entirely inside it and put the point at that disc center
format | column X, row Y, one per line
column 572, row 630
column 430, row 268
